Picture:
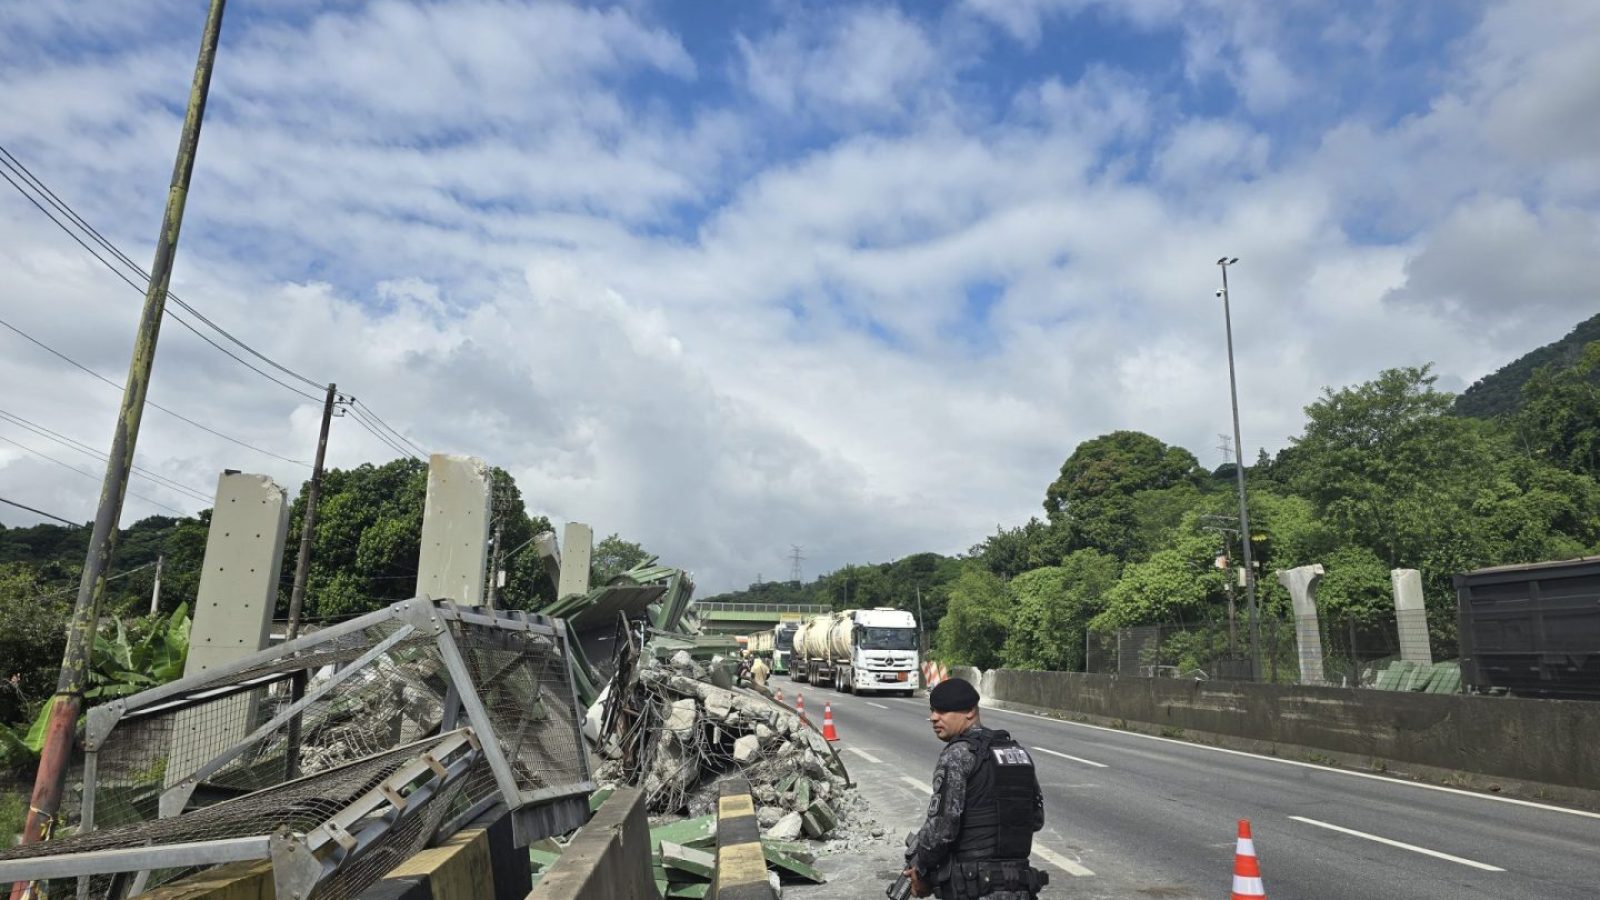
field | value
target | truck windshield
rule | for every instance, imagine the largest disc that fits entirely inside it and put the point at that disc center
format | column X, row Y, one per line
column 784, row 639
column 888, row 639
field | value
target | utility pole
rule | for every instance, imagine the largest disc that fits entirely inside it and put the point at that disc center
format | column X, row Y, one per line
column 155, row 591
column 68, row 700
column 302, row 572
column 1244, row 505
column 922, row 633
column 308, row 521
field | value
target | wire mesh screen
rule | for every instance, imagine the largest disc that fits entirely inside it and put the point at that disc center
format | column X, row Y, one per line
column 298, row 806
column 1386, row 652
column 394, row 699
column 521, row 677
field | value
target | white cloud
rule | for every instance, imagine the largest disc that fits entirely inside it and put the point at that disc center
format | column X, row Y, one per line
column 550, row 236
column 869, row 61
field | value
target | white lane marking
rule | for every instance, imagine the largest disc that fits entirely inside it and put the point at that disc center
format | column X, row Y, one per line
column 865, row 755
column 1305, row 765
column 919, row 785
column 1412, row 847
column 878, row 705
column 1079, row 759
column 1061, row 862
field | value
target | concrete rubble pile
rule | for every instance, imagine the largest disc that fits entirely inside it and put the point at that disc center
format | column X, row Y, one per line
column 676, row 724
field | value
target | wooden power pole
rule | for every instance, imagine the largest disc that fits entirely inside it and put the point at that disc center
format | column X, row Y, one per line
column 68, row 700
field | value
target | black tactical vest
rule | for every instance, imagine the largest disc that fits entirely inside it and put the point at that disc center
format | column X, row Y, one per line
column 998, row 820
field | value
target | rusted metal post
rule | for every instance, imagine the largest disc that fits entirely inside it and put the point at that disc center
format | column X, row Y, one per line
column 68, row 699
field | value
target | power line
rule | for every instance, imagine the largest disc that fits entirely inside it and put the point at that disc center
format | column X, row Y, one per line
column 357, row 416
column 85, row 449
column 89, row 475
column 10, row 161
column 135, row 285
column 399, row 435
column 114, row 385
column 73, row 590
column 41, row 512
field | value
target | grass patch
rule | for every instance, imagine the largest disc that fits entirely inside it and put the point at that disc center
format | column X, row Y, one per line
column 13, row 815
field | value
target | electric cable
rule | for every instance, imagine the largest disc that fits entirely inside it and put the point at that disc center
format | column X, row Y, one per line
column 10, row 161
column 89, row 475
column 357, row 416
column 41, row 512
column 391, row 429
column 81, row 447
column 177, row 415
column 142, row 289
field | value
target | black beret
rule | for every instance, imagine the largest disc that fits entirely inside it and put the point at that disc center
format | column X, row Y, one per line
column 953, row 695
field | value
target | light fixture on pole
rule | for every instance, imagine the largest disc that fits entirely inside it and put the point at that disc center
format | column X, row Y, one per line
column 1238, row 470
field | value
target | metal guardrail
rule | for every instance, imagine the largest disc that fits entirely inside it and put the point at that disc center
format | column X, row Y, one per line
column 813, row 609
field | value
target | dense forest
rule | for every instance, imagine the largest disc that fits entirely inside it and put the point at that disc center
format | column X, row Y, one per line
column 1386, row 474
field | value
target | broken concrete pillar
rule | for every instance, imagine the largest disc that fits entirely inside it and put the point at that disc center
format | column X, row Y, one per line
column 1411, row 616
column 577, row 547
column 1302, row 586
column 232, row 609
column 455, row 530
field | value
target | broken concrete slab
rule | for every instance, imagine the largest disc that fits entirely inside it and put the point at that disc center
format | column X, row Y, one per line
column 819, row 820
column 688, row 859
column 746, row 749
column 787, row 829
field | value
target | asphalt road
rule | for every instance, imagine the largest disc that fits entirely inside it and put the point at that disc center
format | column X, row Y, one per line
column 1135, row 816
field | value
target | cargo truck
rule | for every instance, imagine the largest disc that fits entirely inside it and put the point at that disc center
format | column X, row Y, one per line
column 1532, row 630
column 859, row 651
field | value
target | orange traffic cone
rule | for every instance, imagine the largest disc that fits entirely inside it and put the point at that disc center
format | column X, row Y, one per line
column 800, row 703
column 829, row 733
column 1246, row 868
column 778, row 696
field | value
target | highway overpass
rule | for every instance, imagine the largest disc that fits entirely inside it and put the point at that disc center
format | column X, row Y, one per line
column 743, row 618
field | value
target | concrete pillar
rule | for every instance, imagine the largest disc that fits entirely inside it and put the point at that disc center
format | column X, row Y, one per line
column 1302, row 585
column 1411, row 616
column 233, row 608
column 455, row 530
column 577, row 547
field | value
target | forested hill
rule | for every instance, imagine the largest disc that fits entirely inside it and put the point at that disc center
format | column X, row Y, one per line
column 1500, row 393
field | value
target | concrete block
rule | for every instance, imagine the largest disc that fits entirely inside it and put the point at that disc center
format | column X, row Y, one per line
column 455, row 530
column 1411, row 616
column 577, row 549
column 819, row 820
column 746, row 749
column 232, row 610
column 1301, row 583
column 608, row 859
column 787, row 829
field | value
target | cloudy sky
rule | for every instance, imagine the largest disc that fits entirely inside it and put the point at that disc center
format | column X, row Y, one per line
column 731, row 276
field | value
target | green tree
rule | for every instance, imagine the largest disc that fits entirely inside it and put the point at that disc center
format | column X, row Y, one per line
column 1560, row 416
column 973, row 630
column 613, row 556
column 1356, row 587
column 1054, row 606
column 1093, row 496
column 1178, row 584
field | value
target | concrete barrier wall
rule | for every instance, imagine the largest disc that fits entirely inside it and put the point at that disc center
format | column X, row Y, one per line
column 1545, row 741
column 609, row 859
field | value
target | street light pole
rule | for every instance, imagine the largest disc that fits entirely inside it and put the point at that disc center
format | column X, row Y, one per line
column 1238, row 471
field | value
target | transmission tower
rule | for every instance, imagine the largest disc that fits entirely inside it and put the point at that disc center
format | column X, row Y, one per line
column 794, row 563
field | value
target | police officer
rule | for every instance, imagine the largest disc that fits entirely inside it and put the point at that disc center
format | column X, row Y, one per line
column 985, row 808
